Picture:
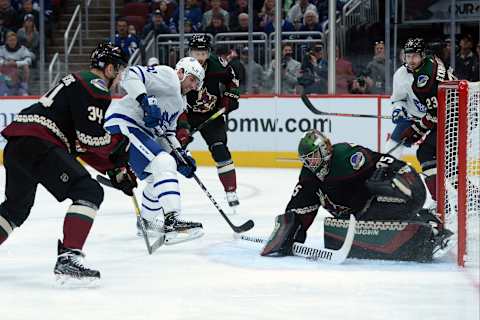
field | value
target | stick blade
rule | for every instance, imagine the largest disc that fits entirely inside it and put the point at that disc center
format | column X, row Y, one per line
column 244, row 227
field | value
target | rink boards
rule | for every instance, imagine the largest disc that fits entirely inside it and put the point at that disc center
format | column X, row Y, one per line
column 265, row 130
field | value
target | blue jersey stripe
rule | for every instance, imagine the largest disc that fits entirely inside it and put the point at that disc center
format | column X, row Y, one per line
column 165, row 181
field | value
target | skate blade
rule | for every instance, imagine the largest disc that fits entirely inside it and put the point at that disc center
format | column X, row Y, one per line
column 69, row 282
column 179, row 237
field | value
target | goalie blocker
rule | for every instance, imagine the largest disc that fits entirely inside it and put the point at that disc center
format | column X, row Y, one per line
column 384, row 194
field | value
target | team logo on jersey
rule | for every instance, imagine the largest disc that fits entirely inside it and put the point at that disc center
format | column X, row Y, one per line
column 420, row 106
column 357, row 160
column 100, row 84
column 422, row 80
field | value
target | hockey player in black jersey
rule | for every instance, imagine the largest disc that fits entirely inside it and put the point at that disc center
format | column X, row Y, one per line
column 206, row 102
column 349, row 179
column 43, row 143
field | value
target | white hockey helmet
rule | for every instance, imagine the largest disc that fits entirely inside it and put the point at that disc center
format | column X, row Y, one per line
column 191, row 66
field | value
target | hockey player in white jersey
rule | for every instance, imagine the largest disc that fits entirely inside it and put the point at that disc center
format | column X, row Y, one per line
column 155, row 98
column 415, row 104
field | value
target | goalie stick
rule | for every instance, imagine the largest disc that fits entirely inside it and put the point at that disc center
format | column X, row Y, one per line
column 161, row 239
column 306, row 101
column 316, row 254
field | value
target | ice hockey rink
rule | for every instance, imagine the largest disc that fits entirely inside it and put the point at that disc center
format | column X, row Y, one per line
column 217, row 277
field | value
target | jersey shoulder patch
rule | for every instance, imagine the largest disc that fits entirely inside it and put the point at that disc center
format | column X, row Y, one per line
column 93, row 83
column 357, row 160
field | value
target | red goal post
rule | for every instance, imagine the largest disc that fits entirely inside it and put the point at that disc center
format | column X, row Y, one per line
column 458, row 165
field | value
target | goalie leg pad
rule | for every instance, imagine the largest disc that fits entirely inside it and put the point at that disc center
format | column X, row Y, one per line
column 281, row 240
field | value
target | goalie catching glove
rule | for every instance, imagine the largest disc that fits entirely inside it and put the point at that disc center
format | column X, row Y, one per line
column 391, row 187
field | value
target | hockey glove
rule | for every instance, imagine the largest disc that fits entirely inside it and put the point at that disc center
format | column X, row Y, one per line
column 386, row 186
column 413, row 133
column 151, row 112
column 230, row 102
column 123, row 179
column 398, row 114
column 186, row 165
column 183, row 136
column 119, row 154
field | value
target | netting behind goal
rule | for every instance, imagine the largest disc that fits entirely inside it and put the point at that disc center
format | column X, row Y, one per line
column 458, row 163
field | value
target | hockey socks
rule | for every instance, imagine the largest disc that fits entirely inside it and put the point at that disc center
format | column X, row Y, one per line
column 77, row 224
column 5, row 229
column 226, row 173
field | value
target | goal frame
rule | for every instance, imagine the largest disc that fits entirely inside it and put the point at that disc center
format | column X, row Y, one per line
column 462, row 87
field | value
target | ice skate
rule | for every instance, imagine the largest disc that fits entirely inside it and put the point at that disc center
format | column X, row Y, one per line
column 70, row 270
column 177, row 230
column 153, row 228
column 232, row 200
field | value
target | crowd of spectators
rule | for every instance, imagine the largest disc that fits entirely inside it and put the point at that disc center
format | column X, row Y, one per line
column 20, row 41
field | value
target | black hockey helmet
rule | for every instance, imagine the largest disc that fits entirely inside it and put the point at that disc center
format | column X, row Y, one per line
column 199, row 42
column 106, row 53
column 414, row 45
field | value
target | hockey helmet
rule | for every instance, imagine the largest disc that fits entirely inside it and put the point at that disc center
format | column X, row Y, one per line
column 199, row 42
column 191, row 66
column 414, row 45
column 106, row 53
column 315, row 152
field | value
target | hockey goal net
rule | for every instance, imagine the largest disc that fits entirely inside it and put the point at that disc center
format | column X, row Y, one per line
column 458, row 166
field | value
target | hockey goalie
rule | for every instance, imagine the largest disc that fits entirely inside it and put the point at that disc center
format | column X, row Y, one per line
column 384, row 194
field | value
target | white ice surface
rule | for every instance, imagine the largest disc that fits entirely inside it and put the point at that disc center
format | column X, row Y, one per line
column 216, row 277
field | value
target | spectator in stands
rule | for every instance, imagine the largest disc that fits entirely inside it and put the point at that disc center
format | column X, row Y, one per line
column 157, row 25
column 27, row 8
column 242, row 23
column 376, row 68
column 289, row 73
column 216, row 9
column 446, row 51
column 266, row 14
column 3, row 31
column 127, row 42
column 9, row 15
column 310, row 23
column 314, row 71
column 240, row 7
column 132, row 30
column 15, row 61
column 297, row 11
column 29, row 37
column 166, row 8
column 217, row 25
column 362, row 84
column 257, row 73
column 344, row 72
column 466, row 62
column 192, row 13
column 287, row 26
column 188, row 26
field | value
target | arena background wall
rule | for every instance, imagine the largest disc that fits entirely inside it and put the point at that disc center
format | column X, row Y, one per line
column 265, row 130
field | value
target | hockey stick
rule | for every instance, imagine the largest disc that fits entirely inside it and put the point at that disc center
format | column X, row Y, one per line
column 306, row 101
column 208, row 121
column 160, row 241
column 238, row 229
column 316, row 254
column 398, row 145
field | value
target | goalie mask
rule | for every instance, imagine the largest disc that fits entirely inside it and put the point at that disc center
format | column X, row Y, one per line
column 315, row 152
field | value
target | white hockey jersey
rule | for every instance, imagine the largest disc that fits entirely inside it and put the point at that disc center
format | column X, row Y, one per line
column 403, row 96
column 159, row 81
